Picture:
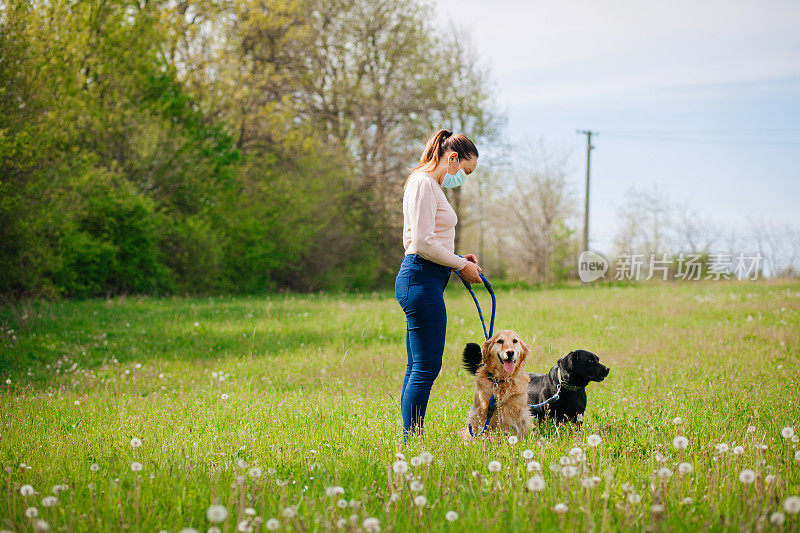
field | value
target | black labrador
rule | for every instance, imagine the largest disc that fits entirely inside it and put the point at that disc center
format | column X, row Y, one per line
column 574, row 371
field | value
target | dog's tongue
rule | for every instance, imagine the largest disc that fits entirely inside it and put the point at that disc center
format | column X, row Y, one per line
column 508, row 366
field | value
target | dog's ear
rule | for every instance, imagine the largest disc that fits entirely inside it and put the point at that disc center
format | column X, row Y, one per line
column 485, row 351
column 567, row 363
column 525, row 352
column 471, row 358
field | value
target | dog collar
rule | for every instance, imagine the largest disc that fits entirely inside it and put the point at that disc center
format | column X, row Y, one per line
column 491, row 376
column 566, row 386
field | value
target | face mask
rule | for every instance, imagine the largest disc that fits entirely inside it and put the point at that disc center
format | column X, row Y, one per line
column 454, row 180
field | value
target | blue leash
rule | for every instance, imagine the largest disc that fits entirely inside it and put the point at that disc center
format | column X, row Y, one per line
column 488, row 285
column 487, row 335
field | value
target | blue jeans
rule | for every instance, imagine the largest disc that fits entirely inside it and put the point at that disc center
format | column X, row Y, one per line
column 419, row 288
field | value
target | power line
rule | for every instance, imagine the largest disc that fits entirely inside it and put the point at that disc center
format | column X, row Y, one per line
column 670, row 138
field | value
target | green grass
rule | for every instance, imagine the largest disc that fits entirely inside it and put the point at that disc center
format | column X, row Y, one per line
column 312, row 385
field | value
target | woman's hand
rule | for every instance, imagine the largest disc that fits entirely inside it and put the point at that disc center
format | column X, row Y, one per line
column 472, row 258
column 471, row 271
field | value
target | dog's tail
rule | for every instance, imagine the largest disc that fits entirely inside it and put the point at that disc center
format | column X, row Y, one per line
column 472, row 357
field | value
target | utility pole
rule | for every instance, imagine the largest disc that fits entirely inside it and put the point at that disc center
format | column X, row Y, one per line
column 589, row 148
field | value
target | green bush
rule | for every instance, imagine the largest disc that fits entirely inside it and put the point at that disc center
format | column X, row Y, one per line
column 109, row 239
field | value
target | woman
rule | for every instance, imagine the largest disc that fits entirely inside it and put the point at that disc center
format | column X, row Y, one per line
column 428, row 237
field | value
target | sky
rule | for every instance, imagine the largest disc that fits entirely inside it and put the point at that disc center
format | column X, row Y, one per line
column 699, row 100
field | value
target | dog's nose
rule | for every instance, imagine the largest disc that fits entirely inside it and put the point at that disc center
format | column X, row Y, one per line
column 510, row 353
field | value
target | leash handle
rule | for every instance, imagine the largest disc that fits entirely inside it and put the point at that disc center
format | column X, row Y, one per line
column 488, row 286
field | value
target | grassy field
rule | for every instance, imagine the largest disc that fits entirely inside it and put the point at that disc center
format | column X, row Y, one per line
column 265, row 405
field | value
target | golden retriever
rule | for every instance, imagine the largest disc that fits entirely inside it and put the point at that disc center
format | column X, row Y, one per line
column 500, row 370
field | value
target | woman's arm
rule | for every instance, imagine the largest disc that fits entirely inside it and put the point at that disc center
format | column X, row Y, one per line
column 422, row 216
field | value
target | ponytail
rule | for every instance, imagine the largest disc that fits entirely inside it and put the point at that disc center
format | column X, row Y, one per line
column 439, row 143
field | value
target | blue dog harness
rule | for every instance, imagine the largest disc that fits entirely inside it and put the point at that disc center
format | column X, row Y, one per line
column 561, row 385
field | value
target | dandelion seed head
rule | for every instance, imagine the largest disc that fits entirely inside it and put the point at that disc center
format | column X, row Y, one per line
column 341, row 504
column 664, row 473
column 680, row 442
column 560, row 508
column 216, row 513
column 527, row 455
column 371, row 525
column 416, row 486
column 677, row 421
column 721, row 447
column 634, row 498
column 656, row 508
column 272, row 524
column 426, row 458
column 136, row 466
column 420, row 500
column 738, row 450
column 533, row 466
column 332, row 492
column 494, row 466
column 415, row 461
column 136, row 442
column 787, row 432
column 31, row 512
column 594, row 440
column 400, row 467
column 451, row 516
column 685, row 468
column 27, row 490
column 791, row 504
column 224, row 396
column 777, row 518
column 687, row 501
column 40, row 526
column 747, row 476
column 536, row 484
column 770, row 479
column 289, row 512
column 569, row 471
column 751, row 429
column 49, row 501
column 512, row 440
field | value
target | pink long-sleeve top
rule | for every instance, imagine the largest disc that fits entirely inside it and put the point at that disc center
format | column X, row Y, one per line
column 429, row 222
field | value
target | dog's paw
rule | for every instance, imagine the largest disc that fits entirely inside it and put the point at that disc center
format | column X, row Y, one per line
column 472, row 357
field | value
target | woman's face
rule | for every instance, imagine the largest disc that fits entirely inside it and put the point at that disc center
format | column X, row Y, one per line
column 454, row 163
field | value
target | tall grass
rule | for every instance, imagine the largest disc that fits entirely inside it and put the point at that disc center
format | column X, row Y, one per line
column 265, row 405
